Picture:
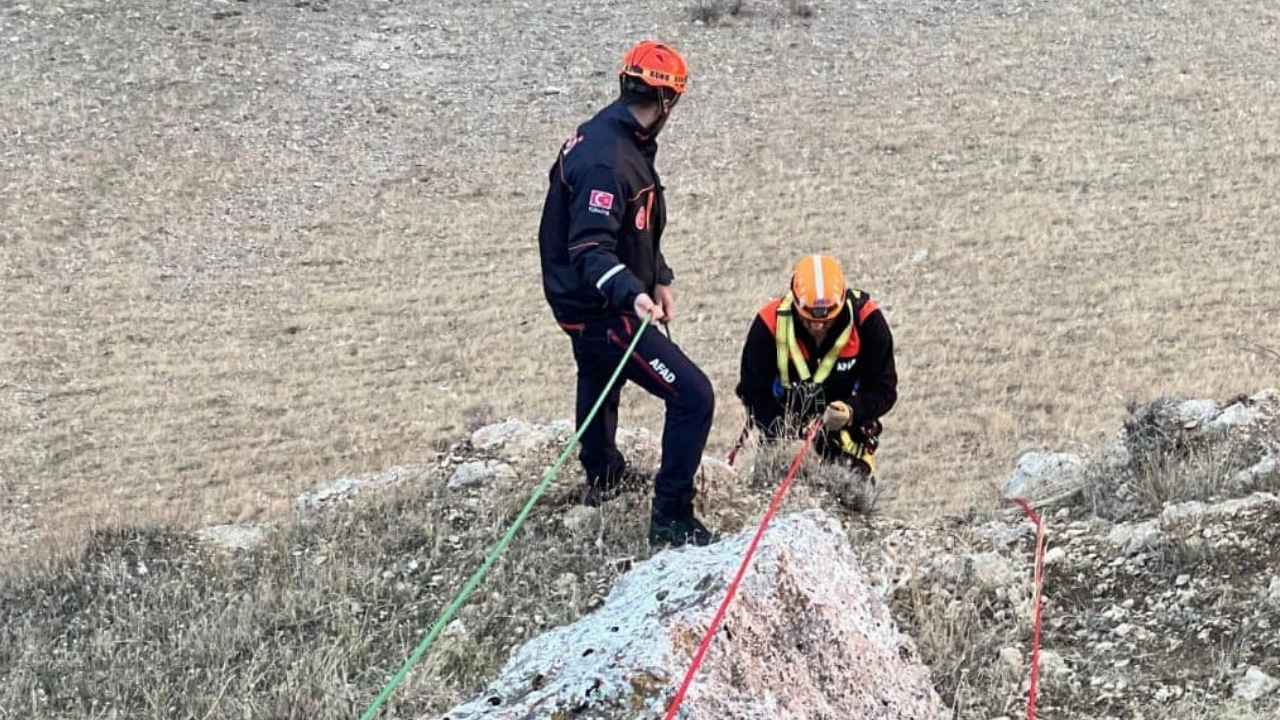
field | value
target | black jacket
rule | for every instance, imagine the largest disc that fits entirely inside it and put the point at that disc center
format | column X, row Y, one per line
column 601, row 231
column 864, row 377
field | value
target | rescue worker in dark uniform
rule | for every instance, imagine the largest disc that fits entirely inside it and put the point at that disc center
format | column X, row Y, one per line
column 602, row 271
column 822, row 350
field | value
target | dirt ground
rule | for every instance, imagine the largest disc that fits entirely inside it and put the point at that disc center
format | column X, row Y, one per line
column 246, row 247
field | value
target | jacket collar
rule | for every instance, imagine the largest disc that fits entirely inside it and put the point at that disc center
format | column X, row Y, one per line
column 618, row 113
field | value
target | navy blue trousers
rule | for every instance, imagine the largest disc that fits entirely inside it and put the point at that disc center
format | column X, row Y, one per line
column 663, row 370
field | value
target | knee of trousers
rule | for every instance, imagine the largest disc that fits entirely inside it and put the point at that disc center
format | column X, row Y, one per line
column 696, row 397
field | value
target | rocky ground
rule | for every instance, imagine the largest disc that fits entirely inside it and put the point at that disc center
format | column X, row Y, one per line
column 1161, row 595
column 1162, row 586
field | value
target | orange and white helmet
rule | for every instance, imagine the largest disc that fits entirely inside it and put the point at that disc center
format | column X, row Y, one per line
column 654, row 69
column 818, row 286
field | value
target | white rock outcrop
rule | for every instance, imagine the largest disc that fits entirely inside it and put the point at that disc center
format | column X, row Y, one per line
column 515, row 439
column 1133, row 538
column 1044, row 477
column 1257, row 474
column 479, row 472
column 805, row 638
column 1196, row 511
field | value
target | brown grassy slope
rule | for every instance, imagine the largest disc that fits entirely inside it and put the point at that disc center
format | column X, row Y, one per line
column 241, row 255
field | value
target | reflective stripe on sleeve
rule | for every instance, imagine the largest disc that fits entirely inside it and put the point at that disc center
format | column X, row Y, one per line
column 605, row 277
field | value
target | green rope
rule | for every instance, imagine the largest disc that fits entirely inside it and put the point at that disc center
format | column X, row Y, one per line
column 469, row 588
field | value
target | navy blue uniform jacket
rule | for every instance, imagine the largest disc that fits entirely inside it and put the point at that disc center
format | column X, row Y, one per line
column 601, row 233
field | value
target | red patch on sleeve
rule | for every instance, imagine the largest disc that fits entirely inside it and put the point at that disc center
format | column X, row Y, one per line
column 601, row 200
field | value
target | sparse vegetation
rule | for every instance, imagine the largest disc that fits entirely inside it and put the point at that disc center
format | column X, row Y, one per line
column 1172, row 459
column 800, row 8
column 959, row 640
column 310, row 309
column 149, row 623
column 247, row 250
column 710, row 12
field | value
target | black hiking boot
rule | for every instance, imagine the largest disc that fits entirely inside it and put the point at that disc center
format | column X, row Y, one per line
column 678, row 531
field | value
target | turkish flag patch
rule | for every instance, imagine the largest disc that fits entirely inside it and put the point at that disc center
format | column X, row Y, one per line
column 600, row 200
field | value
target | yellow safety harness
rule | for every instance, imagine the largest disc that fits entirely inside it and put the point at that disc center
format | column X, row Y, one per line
column 789, row 348
column 788, row 352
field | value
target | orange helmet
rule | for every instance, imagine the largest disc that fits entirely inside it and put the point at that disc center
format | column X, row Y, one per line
column 818, row 286
column 656, row 65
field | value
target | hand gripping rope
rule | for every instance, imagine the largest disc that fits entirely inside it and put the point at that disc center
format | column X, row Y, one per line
column 774, row 504
column 501, row 546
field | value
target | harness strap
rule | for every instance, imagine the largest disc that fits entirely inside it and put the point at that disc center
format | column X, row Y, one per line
column 788, row 348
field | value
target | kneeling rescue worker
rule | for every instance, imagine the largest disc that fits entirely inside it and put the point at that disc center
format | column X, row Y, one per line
column 603, row 270
column 824, row 350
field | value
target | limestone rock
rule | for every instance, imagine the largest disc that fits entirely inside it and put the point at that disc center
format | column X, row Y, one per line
column 581, row 519
column 1115, row 456
column 1273, row 592
column 1196, row 511
column 233, row 537
column 1133, row 538
column 517, row 438
column 345, row 488
column 1053, row 666
column 1195, row 412
column 989, row 571
column 1255, row 685
column 806, row 638
column 1234, row 416
column 1257, row 474
column 474, row 473
column 1044, row 477
column 992, row 571
column 1011, row 660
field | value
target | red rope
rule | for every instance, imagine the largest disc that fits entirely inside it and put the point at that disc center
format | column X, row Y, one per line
column 1038, row 582
column 774, row 504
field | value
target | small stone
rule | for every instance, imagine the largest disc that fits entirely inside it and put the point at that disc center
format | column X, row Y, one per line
column 1182, row 580
column 1053, row 665
column 384, row 66
column 1134, row 538
column 1255, row 685
column 1273, row 591
column 1257, row 474
column 1055, row 556
column 233, row 537
column 455, row 629
column 1123, row 629
column 1011, row 659
column 581, row 519
column 992, row 570
column 471, row 474
column 565, row 583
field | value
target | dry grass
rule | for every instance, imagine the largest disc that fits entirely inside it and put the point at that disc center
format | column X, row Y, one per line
column 148, row 623
column 241, row 254
column 1170, row 463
